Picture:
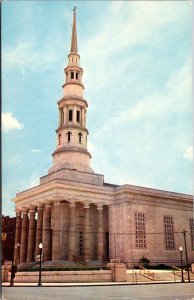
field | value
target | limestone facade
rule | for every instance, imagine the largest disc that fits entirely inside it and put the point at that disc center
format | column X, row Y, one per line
column 75, row 214
column 97, row 222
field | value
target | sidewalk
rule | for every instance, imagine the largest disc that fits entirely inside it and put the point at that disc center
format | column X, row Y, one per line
column 74, row 284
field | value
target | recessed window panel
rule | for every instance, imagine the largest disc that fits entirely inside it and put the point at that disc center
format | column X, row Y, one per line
column 72, row 75
column 70, row 115
column 78, row 116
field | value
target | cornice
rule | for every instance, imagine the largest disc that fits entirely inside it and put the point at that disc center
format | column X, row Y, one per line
column 68, row 190
column 72, row 127
column 77, row 83
column 73, row 54
column 73, row 66
column 72, row 97
column 72, row 149
column 142, row 191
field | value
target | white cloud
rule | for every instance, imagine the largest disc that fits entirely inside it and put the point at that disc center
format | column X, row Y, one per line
column 140, row 26
column 27, row 55
column 189, row 153
column 36, row 150
column 174, row 97
column 9, row 122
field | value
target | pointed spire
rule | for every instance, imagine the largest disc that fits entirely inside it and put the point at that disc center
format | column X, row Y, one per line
column 74, row 33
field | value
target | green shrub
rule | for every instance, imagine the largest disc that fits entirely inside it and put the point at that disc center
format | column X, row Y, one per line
column 84, row 268
column 144, row 262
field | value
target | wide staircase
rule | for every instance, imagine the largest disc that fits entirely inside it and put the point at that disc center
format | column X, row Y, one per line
column 144, row 275
column 60, row 265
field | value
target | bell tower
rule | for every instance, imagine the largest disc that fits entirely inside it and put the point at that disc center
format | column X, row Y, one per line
column 71, row 151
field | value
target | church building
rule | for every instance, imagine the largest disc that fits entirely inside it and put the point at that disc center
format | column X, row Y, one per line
column 75, row 214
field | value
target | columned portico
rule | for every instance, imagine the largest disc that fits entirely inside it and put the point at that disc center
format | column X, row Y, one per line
column 86, row 232
column 47, row 232
column 24, row 236
column 72, row 230
column 31, row 236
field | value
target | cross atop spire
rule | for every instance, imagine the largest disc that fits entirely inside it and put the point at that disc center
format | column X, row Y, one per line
column 74, row 33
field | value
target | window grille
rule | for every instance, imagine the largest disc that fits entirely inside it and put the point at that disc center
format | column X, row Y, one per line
column 140, row 233
column 169, row 233
column 191, row 223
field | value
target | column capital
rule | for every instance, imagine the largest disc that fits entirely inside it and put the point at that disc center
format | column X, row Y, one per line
column 25, row 210
column 40, row 206
column 86, row 204
column 18, row 211
column 32, row 209
column 48, row 203
column 72, row 203
column 57, row 203
column 100, row 206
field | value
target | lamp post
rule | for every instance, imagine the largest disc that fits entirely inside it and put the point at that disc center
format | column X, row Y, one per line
column 184, row 235
column 40, row 248
column 181, row 253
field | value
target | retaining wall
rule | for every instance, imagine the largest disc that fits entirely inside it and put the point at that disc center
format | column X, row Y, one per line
column 64, row 276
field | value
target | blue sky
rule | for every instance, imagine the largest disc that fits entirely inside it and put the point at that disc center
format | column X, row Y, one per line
column 136, row 57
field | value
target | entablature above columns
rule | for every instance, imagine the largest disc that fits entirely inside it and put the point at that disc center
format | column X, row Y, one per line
column 55, row 191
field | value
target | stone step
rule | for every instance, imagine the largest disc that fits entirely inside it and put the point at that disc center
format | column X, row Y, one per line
column 59, row 264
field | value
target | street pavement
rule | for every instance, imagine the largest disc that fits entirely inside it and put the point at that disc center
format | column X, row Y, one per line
column 176, row 291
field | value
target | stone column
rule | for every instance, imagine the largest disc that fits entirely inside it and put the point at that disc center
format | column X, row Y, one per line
column 56, row 249
column 112, row 230
column 39, row 227
column 31, row 236
column 59, row 117
column 72, row 231
column 74, row 115
column 100, row 232
column 65, row 114
column 46, row 234
column 86, row 233
column 62, row 117
column 17, row 237
column 82, row 117
column 24, row 237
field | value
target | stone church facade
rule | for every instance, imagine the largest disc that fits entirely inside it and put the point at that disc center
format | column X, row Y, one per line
column 76, row 215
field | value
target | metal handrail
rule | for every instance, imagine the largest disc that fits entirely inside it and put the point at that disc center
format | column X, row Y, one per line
column 145, row 272
column 177, row 271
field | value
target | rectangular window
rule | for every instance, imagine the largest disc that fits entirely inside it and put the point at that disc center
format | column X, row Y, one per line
column 77, row 74
column 70, row 115
column 191, row 223
column 72, row 75
column 78, row 116
column 140, row 234
column 169, row 233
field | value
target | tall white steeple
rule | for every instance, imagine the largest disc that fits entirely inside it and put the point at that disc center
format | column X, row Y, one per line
column 71, row 152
